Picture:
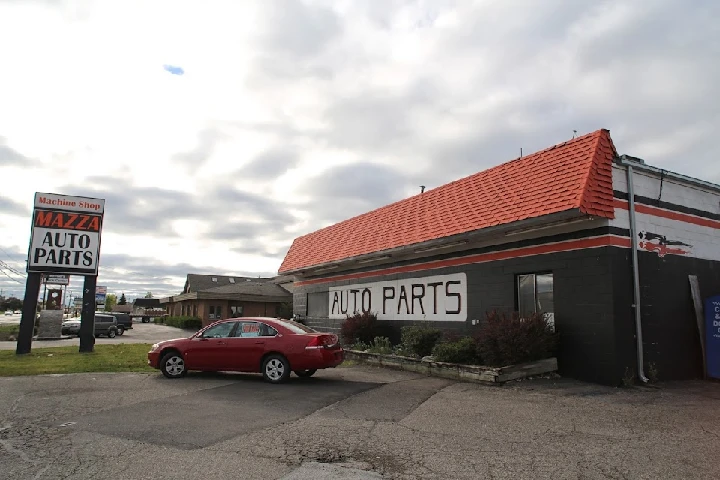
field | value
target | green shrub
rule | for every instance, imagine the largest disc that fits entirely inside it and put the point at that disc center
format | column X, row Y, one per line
column 184, row 322
column 359, row 346
column 509, row 339
column 460, row 351
column 419, row 339
column 381, row 345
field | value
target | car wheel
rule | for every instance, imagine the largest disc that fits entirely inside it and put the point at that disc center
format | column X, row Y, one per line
column 276, row 369
column 305, row 373
column 121, row 330
column 111, row 333
column 172, row 365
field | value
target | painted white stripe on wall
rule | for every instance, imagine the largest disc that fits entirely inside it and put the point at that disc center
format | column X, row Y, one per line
column 702, row 242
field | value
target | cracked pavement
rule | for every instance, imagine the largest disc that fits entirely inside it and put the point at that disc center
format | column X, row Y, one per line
column 397, row 424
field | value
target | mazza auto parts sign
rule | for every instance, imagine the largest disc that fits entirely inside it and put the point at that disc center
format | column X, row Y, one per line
column 65, row 234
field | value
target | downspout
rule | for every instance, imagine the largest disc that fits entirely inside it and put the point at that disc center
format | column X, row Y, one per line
column 636, row 275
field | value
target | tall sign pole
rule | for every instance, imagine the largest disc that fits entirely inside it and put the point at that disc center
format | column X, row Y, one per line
column 65, row 239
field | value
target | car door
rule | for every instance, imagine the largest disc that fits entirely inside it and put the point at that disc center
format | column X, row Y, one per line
column 248, row 345
column 208, row 351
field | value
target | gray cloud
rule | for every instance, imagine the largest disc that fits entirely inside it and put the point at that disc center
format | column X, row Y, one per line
column 270, row 164
column 296, row 28
column 343, row 192
column 196, row 157
column 10, row 156
column 11, row 207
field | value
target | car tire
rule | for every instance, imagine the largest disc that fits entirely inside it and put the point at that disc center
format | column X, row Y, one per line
column 275, row 369
column 305, row 373
column 121, row 330
column 111, row 333
column 172, row 365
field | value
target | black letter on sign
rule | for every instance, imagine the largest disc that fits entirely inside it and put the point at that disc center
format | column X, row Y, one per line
column 87, row 259
column 84, row 240
column 369, row 300
column 335, row 303
column 418, row 297
column 403, row 296
column 47, row 240
column 344, row 308
column 65, row 257
column 354, row 292
column 39, row 253
column 448, row 294
column 386, row 297
column 434, row 286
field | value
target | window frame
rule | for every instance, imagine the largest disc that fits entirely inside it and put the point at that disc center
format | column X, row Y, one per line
column 535, row 290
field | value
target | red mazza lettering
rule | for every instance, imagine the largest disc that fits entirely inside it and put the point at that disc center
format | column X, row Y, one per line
column 67, row 221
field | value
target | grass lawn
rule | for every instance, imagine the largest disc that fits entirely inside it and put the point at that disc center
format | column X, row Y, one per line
column 127, row 357
column 8, row 330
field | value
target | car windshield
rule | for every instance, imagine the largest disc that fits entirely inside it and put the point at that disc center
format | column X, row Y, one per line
column 297, row 327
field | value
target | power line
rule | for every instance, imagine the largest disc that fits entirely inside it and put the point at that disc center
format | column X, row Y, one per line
column 11, row 278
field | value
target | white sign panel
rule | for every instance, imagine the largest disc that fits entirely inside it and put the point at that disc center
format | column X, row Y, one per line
column 436, row 298
column 65, row 234
column 54, row 279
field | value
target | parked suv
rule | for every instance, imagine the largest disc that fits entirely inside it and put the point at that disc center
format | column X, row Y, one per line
column 105, row 324
column 124, row 322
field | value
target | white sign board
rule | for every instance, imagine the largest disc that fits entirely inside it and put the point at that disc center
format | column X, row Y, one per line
column 436, row 298
column 65, row 234
column 55, row 279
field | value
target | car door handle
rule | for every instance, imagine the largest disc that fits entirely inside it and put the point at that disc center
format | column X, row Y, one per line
column 259, row 343
column 221, row 343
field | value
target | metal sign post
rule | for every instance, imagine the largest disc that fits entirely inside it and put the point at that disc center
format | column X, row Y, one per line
column 87, row 315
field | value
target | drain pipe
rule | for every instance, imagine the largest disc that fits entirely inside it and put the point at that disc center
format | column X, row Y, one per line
column 636, row 274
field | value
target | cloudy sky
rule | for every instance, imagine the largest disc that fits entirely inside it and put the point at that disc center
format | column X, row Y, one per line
column 292, row 115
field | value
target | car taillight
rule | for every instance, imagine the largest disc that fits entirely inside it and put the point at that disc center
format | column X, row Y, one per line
column 322, row 341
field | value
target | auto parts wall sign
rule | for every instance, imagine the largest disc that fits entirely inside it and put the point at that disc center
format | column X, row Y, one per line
column 434, row 298
column 65, row 234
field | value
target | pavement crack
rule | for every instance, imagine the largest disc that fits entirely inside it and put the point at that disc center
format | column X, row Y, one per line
column 14, row 451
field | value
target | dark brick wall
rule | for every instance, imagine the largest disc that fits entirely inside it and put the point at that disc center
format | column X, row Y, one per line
column 670, row 335
column 584, row 312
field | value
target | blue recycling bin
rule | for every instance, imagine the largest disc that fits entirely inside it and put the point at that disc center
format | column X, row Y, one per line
column 712, row 336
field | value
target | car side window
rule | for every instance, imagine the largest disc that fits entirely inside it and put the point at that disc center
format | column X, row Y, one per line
column 248, row 329
column 267, row 331
column 221, row 330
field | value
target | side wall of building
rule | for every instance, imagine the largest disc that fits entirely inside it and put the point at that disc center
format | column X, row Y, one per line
column 583, row 301
column 678, row 235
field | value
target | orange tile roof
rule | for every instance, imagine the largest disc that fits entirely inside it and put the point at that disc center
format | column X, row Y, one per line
column 576, row 175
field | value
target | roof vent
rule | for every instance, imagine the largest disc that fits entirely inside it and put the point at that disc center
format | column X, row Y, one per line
column 232, row 280
column 214, row 279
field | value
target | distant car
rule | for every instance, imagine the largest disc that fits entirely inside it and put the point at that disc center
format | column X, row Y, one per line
column 104, row 325
column 124, row 322
column 8, row 312
column 270, row 346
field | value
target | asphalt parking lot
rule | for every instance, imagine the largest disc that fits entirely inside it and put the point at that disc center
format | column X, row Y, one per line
column 140, row 333
column 378, row 422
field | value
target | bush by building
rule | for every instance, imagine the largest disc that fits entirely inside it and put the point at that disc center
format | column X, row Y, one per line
column 463, row 351
column 510, row 339
column 184, row 322
column 419, row 339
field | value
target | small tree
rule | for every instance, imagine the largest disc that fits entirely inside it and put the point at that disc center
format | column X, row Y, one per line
column 110, row 302
column 123, row 300
column 148, row 295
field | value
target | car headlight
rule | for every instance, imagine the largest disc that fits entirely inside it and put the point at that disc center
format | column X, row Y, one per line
column 154, row 347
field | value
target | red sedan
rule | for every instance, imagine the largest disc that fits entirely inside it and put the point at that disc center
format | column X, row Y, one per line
column 271, row 346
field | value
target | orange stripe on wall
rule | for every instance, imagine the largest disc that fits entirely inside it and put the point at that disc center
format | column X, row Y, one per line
column 604, row 241
column 659, row 212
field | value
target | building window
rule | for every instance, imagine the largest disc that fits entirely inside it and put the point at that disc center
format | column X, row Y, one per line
column 195, row 310
column 218, row 311
column 535, row 294
column 236, row 311
column 212, row 311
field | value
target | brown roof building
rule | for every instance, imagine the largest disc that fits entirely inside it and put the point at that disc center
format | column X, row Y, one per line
column 216, row 297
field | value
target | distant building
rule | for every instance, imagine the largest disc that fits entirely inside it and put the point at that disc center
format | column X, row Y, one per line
column 215, row 297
